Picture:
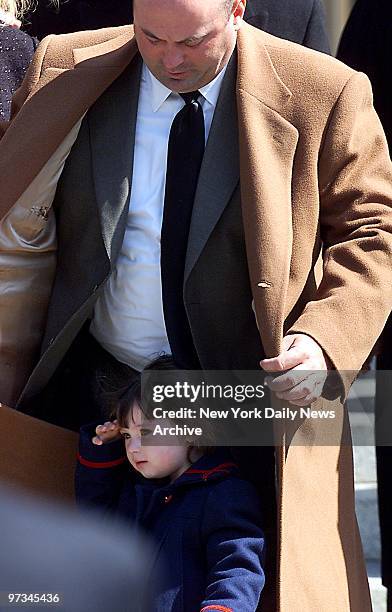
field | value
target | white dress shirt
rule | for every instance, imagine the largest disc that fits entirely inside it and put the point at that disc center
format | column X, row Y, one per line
column 128, row 317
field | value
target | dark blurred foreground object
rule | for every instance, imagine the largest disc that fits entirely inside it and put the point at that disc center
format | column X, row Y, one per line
column 302, row 21
column 366, row 45
column 16, row 51
column 46, row 549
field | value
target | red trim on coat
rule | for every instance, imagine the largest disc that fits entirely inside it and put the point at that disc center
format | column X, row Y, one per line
column 223, row 467
column 215, row 607
column 100, row 464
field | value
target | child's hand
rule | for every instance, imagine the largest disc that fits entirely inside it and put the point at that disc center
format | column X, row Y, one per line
column 108, row 432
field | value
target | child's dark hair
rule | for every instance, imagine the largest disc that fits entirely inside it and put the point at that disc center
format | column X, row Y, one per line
column 132, row 395
column 133, row 392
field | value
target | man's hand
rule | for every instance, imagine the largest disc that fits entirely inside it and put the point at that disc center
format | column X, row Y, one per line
column 108, row 432
column 305, row 366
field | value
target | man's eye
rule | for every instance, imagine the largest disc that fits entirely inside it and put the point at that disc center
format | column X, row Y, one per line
column 125, row 435
column 193, row 43
column 153, row 41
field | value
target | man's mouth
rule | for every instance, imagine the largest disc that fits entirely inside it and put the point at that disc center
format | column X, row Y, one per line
column 177, row 75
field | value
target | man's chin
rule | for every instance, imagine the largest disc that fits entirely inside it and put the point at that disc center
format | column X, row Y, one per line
column 178, row 84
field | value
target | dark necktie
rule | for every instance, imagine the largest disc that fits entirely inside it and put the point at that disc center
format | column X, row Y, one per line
column 184, row 157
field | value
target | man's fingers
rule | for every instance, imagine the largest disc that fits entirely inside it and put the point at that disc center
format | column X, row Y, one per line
column 306, row 401
column 298, row 392
column 288, row 380
column 298, row 349
column 306, row 391
column 285, row 361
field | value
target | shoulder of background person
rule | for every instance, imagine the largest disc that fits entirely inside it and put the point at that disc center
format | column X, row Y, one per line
column 17, row 40
column 300, row 21
column 367, row 35
column 366, row 45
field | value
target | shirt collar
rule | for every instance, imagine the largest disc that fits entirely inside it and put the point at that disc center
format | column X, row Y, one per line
column 160, row 93
column 211, row 91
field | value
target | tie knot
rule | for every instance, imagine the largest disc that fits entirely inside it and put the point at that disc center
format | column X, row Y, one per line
column 190, row 97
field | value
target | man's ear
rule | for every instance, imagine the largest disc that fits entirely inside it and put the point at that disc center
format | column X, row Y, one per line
column 238, row 13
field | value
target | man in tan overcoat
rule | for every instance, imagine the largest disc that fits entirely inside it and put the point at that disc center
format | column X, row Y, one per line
column 295, row 166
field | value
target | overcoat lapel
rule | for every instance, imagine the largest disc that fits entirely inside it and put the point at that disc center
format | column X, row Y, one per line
column 112, row 122
column 219, row 173
column 267, row 144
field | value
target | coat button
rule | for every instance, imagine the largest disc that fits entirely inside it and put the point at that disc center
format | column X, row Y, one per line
column 168, row 498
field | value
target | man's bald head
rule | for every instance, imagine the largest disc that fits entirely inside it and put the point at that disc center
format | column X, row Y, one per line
column 186, row 43
column 226, row 4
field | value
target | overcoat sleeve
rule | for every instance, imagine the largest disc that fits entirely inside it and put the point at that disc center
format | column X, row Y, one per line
column 356, row 229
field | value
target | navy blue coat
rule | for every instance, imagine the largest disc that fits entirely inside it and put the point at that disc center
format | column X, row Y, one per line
column 16, row 52
column 206, row 525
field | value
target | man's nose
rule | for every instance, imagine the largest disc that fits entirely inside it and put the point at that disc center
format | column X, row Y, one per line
column 173, row 58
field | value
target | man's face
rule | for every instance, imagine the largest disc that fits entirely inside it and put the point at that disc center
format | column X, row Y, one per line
column 186, row 43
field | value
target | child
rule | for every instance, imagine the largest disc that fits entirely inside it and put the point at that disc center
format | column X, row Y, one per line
column 204, row 518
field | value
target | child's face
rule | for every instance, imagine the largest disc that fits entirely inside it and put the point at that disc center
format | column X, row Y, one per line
column 152, row 461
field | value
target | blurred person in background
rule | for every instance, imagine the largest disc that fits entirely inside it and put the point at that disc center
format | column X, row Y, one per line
column 366, row 45
column 16, row 51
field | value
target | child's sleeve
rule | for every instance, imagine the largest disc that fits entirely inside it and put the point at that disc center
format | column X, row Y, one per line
column 100, row 472
column 234, row 544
